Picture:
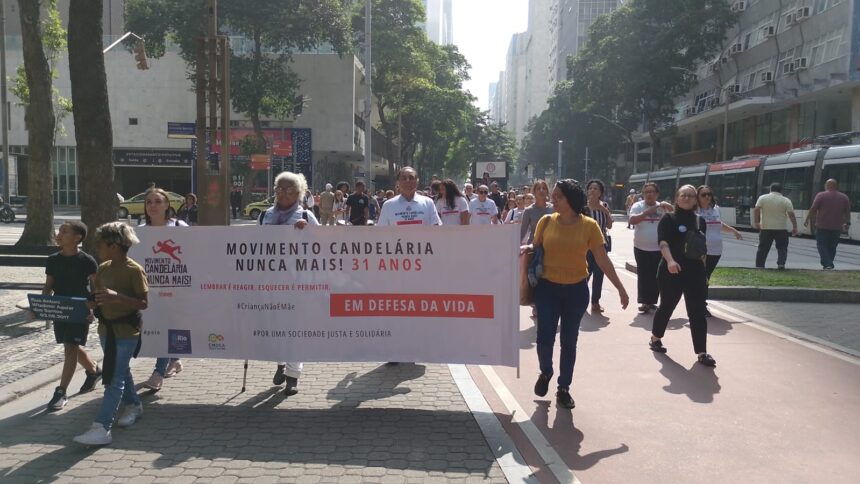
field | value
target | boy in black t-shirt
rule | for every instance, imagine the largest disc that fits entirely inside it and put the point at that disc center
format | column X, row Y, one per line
column 68, row 273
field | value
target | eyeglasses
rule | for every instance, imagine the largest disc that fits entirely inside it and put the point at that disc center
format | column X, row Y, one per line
column 287, row 190
column 687, row 195
column 483, row 192
column 706, row 194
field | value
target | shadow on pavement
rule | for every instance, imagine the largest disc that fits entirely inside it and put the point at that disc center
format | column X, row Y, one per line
column 645, row 321
column 382, row 382
column 593, row 322
column 698, row 383
column 40, row 448
column 565, row 436
column 528, row 337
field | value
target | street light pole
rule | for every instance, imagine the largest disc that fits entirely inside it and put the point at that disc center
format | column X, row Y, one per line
column 558, row 173
column 7, row 164
column 726, row 125
column 368, row 103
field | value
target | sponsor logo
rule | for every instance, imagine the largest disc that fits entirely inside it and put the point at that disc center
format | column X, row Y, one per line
column 216, row 342
column 165, row 268
column 179, row 341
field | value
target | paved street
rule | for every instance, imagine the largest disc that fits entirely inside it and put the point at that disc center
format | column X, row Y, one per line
column 640, row 417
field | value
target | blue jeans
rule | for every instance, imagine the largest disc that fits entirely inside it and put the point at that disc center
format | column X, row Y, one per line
column 161, row 364
column 827, row 241
column 554, row 301
column 595, row 272
column 121, row 387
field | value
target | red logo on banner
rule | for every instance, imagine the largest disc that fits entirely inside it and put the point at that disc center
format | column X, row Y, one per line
column 168, row 247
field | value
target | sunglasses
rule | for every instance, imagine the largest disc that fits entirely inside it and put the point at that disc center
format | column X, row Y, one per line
column 483, row 191
column 706, row 194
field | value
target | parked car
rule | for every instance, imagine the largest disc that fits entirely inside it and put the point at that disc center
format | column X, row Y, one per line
column 253, row 210
column 134, row 206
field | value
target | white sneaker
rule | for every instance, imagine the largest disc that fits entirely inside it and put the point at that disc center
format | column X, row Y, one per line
column 96, row 435
column 174, row 368
column 130, row 416
column 154, row 382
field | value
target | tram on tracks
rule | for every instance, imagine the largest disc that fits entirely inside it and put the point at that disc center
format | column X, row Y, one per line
column 738, row 183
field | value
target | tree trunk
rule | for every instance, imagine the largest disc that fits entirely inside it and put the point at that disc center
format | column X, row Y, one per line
column 93, row 133
column 39, row 229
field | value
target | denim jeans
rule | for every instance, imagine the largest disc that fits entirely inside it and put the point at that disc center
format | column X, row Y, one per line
column 827, row 241
column 161, row 365
column 597, row 274
column 554, row 301
column 121, row 387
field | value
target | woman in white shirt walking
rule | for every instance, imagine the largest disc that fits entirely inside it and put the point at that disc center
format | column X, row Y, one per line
column 710, row 211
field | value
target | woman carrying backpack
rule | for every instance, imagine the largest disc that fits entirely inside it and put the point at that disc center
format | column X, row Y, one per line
column 682, row 272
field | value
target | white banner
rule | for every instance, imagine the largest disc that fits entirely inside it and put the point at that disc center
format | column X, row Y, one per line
column 446, row 294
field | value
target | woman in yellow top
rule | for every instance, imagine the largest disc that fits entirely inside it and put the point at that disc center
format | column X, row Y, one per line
column 562, row 290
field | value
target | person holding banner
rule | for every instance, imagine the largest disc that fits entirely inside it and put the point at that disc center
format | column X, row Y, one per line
column 562, row 290
column 68, row 273
column 156, row 211
column 121, row 294
column 288, row 211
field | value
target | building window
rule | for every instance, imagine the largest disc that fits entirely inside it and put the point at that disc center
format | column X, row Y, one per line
column 132, row 121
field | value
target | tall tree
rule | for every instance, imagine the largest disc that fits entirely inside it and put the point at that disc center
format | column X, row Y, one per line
column 39, row 228
column 262, row 83
column 93, row 133
column 636, row 61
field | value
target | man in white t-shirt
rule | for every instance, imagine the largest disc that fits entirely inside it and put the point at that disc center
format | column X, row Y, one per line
column 408, row 208
column 469, row 193
column 484, row 210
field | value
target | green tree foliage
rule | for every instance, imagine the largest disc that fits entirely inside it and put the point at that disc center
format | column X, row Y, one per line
column 578, row 130
column 481, row 140
column 262, row 82
column 633, row 66
column 421, row 105
column 55, row 45
column 632, row 69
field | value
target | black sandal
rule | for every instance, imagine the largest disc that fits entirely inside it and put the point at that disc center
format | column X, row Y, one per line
column 707, row 360
column 656, row 346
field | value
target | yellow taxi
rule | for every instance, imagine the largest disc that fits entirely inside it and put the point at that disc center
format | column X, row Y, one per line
column 134, row 206
column 253, row 210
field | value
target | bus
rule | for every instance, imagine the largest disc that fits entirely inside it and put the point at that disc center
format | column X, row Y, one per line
column 738, row 183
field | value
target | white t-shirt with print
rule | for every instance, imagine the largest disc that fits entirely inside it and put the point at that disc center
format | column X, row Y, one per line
column 713, row 236
column 399, row 211
column 645, row 234
column 451, row 216
column 483, row 212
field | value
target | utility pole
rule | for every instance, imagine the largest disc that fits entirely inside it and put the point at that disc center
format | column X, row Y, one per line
column 7, row 164
column 558, row 173
column 586, row 165
column 213, row 85
column 368, row 102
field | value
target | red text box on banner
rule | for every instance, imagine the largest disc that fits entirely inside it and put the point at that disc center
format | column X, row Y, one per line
column 412, row 305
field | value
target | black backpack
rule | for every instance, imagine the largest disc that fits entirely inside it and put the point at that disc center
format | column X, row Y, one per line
column 695, row 244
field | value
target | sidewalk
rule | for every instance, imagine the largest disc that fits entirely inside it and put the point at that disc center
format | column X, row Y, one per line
column 775, row 409
column 349, row 423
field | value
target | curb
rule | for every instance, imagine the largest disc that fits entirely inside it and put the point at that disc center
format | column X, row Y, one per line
column 777, row 294
column 30, row 384
column 784, row 294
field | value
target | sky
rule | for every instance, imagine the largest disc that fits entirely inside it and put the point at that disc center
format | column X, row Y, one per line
column 482, row 31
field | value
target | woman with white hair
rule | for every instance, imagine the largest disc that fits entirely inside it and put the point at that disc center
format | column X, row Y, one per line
column 287, row 210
